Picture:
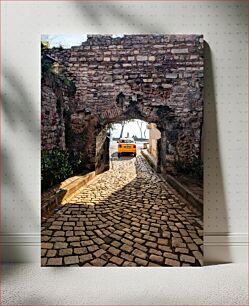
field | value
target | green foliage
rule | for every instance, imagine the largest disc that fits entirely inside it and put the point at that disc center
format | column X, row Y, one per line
column 69, row 84
column 44, row 45
column 194, row 168
column 58, row 165
column 55, row 167
column 77, row 161
column 46, row 66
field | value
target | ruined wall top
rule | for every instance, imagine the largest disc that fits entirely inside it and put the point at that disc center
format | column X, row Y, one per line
column 146, row 71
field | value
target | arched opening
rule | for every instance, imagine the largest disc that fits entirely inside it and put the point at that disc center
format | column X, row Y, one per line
column 120, row 140
column 129, row 109
column 128, row 138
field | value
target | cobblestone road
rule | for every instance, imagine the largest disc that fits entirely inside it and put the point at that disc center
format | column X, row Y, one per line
column 126, row 217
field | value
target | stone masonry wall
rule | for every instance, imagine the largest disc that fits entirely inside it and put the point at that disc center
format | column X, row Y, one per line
column 102, row 152
column 53, row 127
column 56, row 104
column 156, row 78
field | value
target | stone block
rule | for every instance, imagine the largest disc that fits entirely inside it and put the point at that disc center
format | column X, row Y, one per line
column 85, row 258
column 141, row 58
column 187, row 258
column 99, row 253
column 156, row 258
column 139, row 253
column 141, row 262
column 46, row 245
column 114, row 251
column 172, row 262
column 116, row 260
column 54, row 262
column 70, row 260
column 180, row 51
column 98, row 262
column 80, row 251
column 60, row 245
column 171, row 75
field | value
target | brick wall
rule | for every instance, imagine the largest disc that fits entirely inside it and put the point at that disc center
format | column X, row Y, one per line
column 156, row 78
column 56, row 108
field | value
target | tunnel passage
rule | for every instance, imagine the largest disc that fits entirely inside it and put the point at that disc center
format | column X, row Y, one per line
column 156, row 78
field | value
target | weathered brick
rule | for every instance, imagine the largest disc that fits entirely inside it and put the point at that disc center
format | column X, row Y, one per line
column 51, row 253
column 99, row 252
column 59, row 233
column 180, row 51
column 44, row 261
column 127, row 248
column 114, row 251
column 46, row 245
column 127, row 256
column 60, row 245
column 73, row 239
column 57, row 239
column 87, row 243
column 182, row 250
column 85, row 258
column 116, row 260
column 79, row 251
column 172, row 262
column 142, row 58
column 156, row 258
column 170, row 255
column 129, row 264
column 54, row 262
column 198, row 255
column 139, row 253
column 70, row 260
column 98, row 262
column 141, row 262
column 187, row 258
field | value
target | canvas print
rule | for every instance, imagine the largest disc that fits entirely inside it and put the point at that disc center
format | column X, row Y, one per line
column 121, row 150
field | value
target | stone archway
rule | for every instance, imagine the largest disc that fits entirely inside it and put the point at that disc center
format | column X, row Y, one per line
column 156, row 78
column 129, row 109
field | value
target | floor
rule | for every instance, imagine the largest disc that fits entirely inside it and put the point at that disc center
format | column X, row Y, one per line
column 128, row 216
column 29, row 284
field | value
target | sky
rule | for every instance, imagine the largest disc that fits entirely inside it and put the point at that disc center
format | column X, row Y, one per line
column 67, row 41
column 131, row 128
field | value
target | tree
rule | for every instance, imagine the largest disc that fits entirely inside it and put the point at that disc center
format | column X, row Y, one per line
column 140, row 125
column 145, row 133
column 123, row 123
column 111, row 127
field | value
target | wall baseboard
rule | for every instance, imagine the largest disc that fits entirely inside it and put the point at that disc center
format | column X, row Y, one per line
column 218, row 247
column 225, row 247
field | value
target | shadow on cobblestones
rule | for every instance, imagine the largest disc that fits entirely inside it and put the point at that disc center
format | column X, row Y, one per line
column 128, row 217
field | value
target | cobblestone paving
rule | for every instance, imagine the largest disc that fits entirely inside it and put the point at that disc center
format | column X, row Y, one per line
column 128, row 216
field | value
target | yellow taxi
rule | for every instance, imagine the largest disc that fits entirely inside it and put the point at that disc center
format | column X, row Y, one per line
column 126, row 146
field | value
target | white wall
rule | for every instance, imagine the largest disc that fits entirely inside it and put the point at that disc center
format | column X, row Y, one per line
column 224, row 25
